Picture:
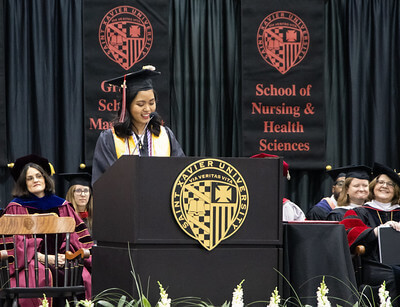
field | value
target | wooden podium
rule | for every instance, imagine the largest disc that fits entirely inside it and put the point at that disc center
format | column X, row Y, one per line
column 132, row 203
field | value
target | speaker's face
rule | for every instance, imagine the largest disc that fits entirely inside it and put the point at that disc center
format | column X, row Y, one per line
column 141, row 107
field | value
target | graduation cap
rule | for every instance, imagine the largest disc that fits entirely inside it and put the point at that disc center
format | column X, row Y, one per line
column 77, row 178
column 379, row 169
column 133, row 82
column 355, row 171
column 335, row 173
column 20, row 163
column 285, row 165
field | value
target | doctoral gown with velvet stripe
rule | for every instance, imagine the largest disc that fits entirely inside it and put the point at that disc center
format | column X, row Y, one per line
column 79, row 239
column 360, row 223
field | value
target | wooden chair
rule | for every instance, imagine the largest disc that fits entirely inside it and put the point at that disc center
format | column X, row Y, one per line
column 357, row 254
column 34, row 231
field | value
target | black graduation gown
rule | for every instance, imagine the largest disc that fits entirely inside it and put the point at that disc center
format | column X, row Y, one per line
column 105, row 155
column 319, row 211
column 336, row 214
column 374, row 272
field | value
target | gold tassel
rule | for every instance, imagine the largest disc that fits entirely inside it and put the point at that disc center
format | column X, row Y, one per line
column 52, row 169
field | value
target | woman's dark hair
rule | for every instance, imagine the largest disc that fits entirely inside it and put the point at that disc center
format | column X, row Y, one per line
column 125, row 129
column 20, row 188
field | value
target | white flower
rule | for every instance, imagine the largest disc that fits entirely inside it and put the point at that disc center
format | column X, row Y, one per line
column 86, row 303
column 164, row 301
column 237, row 298
column 275, row 299
column 384, row 296
column 44, row 301
column 321, row 295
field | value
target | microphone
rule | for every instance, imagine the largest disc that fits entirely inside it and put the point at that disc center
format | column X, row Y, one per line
column 152, row 115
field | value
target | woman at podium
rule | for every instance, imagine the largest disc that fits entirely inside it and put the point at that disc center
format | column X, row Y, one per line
column 362, row 225
column 138, row 129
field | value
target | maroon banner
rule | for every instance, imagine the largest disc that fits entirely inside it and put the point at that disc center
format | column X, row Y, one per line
column 282, row 85
column 121, row 37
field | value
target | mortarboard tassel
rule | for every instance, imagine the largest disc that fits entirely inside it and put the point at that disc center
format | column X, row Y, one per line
column 52, row 171
column 123, row 110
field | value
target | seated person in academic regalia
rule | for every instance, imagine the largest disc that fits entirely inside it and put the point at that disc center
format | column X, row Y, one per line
column 290, row 211
column 354, row 193
column 321, row 210
column 79, row 194
column 34, row 193
column 362, row 225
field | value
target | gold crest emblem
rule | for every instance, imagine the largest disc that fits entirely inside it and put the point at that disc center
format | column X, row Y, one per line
column 210, row 201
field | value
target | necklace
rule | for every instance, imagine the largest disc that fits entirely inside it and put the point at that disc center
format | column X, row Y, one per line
column 380, row 219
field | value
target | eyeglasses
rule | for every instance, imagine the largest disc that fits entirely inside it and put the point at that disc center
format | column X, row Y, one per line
column 383, row 182
column 82, row 191
column 38, row 176
column 339, row 183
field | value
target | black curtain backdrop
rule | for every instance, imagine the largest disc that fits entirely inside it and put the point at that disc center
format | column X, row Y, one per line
column 206, row 72
column 3, row 117
column 3, row 120
column 44, row 84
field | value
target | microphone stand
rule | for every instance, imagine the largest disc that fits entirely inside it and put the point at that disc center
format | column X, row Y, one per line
column 145, row 127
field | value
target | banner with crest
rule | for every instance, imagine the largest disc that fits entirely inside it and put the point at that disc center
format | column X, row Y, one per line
column 282, row 84
column 121, row 37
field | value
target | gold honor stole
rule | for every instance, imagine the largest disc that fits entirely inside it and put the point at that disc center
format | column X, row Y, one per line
column 160, row 145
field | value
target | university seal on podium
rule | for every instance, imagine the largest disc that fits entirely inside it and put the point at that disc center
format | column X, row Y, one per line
column 126, row 35
column 210, row 201
column 283, row 40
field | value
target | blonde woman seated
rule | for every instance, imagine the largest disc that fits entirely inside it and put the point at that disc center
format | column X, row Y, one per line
column 79, row 194
column 354, row 193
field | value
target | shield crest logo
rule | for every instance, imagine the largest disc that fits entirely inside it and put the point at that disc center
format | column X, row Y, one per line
column 283, row 40
column 126, row 36
column 209, row 201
